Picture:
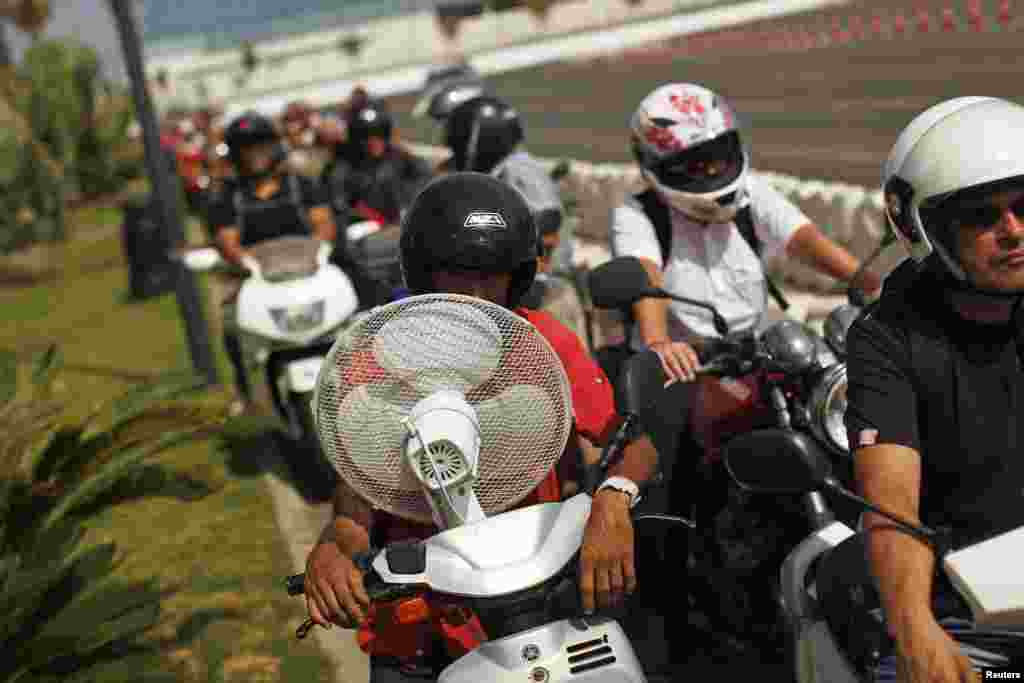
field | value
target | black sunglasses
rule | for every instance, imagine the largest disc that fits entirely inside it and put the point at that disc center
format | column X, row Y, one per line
column 977, row 215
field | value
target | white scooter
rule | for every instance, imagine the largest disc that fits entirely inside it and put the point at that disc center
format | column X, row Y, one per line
column 287, row 311
column 836, row 624
column 424, row 410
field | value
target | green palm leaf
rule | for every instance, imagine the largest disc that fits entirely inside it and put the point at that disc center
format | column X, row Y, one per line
column 111, row 472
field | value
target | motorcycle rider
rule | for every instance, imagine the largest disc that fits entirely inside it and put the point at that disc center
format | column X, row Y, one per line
column 485, row 135
column 371, row 177
column 935, row 381
column 441, row 254
column 699, row 230
column 445, row 89
column 264, row 202
column 301, row 124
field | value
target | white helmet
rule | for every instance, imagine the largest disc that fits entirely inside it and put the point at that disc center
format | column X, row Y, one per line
column 678, row 126
column 967, row 143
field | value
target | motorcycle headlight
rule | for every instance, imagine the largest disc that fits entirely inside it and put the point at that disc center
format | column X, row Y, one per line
column 791, row 345
column 828, row 408
column 299, row 318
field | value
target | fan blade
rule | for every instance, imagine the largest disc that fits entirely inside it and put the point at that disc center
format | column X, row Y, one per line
column 525, row 413
column 440, row 345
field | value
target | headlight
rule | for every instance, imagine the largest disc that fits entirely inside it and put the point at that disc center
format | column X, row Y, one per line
column 299, row 318
column 791, row 346
column 828, row 408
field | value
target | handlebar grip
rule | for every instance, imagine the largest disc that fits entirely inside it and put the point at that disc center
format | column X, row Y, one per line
column 715, row 368
column 296, row 583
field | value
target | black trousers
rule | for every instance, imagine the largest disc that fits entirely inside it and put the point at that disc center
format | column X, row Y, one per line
column 233, row 346
column 656, row 616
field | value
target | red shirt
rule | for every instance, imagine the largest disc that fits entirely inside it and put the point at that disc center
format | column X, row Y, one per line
column 594, row 417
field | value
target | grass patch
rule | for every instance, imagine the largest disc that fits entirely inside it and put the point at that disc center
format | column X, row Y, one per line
column 221, row 558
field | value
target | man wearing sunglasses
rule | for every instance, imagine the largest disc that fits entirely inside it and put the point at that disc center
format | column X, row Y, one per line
column 701, row 230
column 935, row 382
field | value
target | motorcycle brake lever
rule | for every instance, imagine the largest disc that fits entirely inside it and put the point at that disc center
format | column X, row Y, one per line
column 304, row 628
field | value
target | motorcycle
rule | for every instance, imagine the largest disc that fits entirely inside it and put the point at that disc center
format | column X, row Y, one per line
column 411, row 441
column 795, row 381
column 288, row 311
column 374, row 245
column 836, row 629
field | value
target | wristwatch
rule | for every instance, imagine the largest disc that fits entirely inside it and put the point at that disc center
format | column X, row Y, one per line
column 624, row 485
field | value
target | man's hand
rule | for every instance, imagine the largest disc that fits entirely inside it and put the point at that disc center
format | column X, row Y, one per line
column 606, row 559
column 334, row 587
column 678, row 359
column 927, row 654
column 868, row 282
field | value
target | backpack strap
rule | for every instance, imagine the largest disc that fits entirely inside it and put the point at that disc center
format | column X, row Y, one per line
column 745, row 225
column 658, row 213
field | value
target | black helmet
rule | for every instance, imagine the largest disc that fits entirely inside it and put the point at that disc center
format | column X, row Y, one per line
column 481, row 132
column 446, row 88
column 469, row 221
column 252, row 129
column 370, row 120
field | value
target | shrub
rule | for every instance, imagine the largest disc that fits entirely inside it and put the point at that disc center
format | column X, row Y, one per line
column 64, row 614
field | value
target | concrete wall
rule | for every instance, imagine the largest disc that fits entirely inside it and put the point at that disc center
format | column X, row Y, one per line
column 309, row 65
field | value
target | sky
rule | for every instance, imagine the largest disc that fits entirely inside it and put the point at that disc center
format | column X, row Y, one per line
column 91, row 22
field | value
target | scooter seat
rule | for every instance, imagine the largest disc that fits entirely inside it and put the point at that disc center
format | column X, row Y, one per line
column 851, row 605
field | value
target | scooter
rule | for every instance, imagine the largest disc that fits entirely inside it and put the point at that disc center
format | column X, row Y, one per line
column 514, row 571
column 288, row 311
column 836, row 628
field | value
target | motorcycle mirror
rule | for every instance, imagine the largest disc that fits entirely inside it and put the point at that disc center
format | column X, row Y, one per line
column 202, row 259
column 837, row 326
column 620, row 282
column 777, row 461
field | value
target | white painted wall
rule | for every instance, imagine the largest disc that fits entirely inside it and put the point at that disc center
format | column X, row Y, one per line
column 398, row 51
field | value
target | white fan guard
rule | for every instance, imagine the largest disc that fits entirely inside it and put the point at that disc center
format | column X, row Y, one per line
column 400, row 353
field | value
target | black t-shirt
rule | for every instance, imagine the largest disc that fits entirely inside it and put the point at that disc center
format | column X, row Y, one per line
column 386, row 185
column 921, row 376
column 285, row 213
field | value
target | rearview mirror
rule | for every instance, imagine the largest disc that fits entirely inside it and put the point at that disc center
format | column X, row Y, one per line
column 776, row 461
column 838, row 324
column 619, row 283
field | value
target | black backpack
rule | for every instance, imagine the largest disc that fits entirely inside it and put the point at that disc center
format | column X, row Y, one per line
column 658, row 213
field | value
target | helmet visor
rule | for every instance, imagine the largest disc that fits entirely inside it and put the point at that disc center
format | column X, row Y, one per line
column 708, row 167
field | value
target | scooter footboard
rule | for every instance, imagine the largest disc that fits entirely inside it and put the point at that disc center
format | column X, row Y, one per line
column 591, row 650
